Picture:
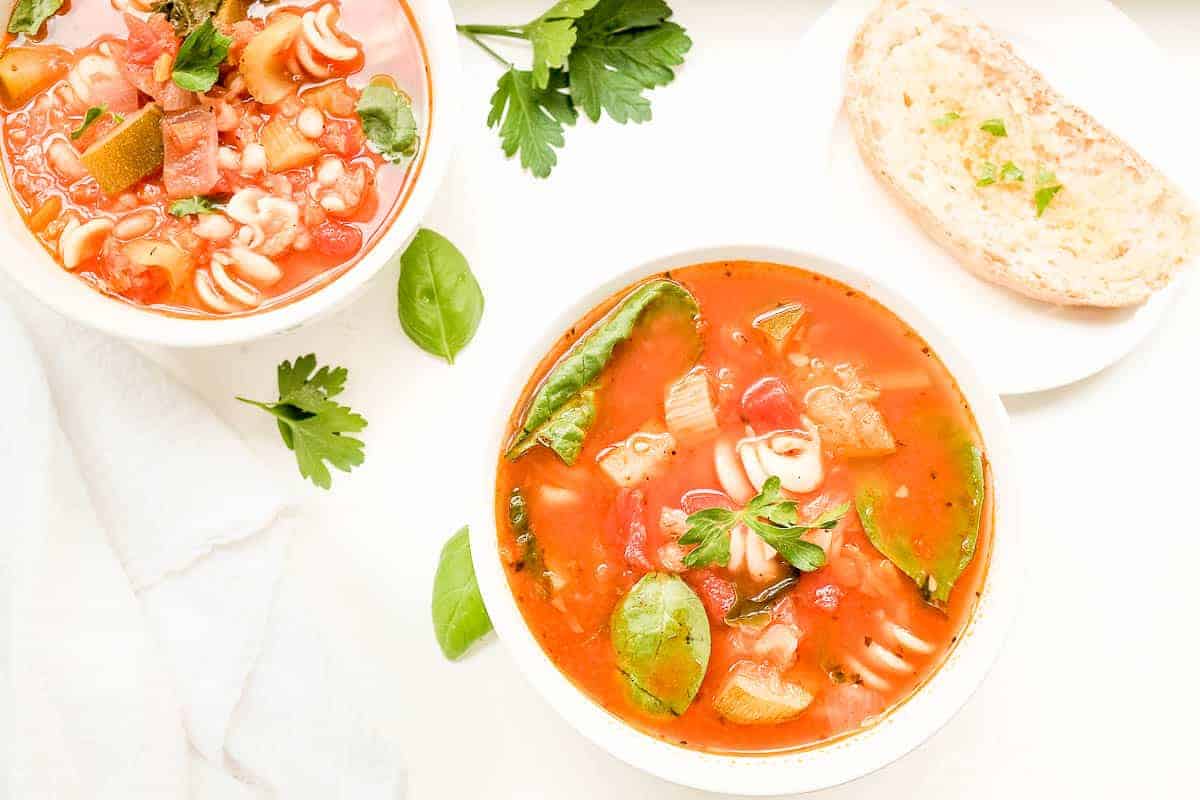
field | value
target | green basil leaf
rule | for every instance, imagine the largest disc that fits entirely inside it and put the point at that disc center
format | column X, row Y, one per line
column 584, row 362
column 662, row 641
column 565, row 431
column 530, row 558
column 934, row 559
column 388, row 122
column 91, row 115
column 995, row 127
column 194, row 205
column 29, row 15
column 459, row 616
column 187, row 15
column 438, row 299
column 198, row 63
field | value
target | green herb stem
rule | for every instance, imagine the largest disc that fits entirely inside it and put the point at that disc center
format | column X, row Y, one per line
column 493, row 30
column 501, row 59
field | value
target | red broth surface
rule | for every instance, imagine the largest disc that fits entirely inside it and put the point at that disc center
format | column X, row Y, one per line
column 338, row 196
column 824, row 632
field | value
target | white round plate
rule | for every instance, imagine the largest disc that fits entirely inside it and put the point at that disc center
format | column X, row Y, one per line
column 1020, row 345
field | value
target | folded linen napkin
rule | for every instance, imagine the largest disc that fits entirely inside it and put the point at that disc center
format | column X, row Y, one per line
column 160, row 646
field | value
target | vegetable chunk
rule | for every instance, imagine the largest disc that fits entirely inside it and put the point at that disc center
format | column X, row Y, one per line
column 755, row 694
column 130, row 152
column 25, row 71
column 190, row 153
column 849, row 423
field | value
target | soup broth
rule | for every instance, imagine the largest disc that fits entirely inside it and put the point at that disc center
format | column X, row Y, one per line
column 224, row 200
column 745, row 386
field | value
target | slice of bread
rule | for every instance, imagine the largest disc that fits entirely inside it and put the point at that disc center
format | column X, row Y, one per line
column 921, row 81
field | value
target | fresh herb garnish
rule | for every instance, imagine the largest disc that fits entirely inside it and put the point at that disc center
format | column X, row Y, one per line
column 1011, row 173
column 388, row 121
column 459, row 617
column 118, row 118
column 312, row 425
column 600, row 54
column 194, row 205
column 198, row 63
column 769, row 515
column 91, row 115
column 988, row 176
column 994, row 126
column 945, row 120
column 438, row 299
column 29, row 15
column 1049, row 187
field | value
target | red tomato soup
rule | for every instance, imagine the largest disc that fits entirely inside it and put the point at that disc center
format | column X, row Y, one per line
column 744, row 508
column 211, row 157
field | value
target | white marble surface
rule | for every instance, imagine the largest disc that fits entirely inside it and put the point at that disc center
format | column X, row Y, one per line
column 1092, row 697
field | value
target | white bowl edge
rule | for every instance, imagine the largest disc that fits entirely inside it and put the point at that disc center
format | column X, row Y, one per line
column 36, row 272
column 845, row 759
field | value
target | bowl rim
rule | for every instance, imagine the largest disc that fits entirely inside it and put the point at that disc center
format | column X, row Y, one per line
column 842, row 760
column 32, row 268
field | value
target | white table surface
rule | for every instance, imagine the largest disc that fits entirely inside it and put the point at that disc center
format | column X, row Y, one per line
column 1093, row 695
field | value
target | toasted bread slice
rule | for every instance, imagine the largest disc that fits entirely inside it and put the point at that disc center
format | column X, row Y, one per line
column 929, row 90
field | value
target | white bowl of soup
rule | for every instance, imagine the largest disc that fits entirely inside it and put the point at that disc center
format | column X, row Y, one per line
column 209, row 171
column 755, row 527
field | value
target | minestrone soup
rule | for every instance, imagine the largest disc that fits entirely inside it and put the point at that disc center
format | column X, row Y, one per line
column 744, row 508
column 211, row 157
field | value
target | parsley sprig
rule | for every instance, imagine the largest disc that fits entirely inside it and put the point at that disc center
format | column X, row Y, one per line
column 600, row 56
column 312, row 425
column 771, row 516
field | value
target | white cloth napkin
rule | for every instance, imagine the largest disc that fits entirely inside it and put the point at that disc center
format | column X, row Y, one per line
column 160, row 647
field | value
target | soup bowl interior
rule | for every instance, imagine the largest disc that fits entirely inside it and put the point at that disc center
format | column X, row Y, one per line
column 834, row 762
column 27, row 263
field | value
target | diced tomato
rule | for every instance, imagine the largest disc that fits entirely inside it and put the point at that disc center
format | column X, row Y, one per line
column 190, row 153
column 342, row 136
column 717, row 593
column 700, row 499
column 150, row 39
column 337, row 240
column 768, row 406
column 113, row 92
column 631, row 527
column 130, row 280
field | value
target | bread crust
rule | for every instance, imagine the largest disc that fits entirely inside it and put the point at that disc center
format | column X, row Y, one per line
column 1060, row 272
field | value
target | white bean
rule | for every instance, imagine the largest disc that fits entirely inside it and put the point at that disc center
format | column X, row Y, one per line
column 213, row 227
column 311, row 122
column 254, row 159
column 134, row 225
column 228, row 158
column 63, row 160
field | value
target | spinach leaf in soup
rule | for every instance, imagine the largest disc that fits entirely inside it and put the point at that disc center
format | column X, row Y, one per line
column 29, row 15
column 459, row 616
column 388, row 121
column 933, row 558
column 529, row 558
column 660, row 634
column 438, row 299
column 563, row 409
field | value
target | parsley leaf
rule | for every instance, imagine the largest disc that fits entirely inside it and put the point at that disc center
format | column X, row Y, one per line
column 531, row 120
column 198, row 63
column 311, row 424
column 624, row 47
column 552, row 36
column 1049, row 188
column 194, row 205
column 945, row 120
column 388, row 121
column 988, row 176
column 91, row 115
column 994, row 126
column 1011, row 173
column 29, row 15
column 771, row 516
